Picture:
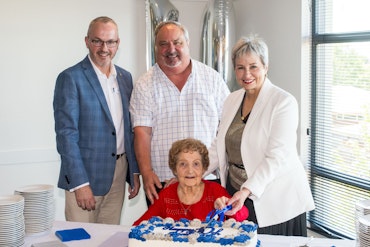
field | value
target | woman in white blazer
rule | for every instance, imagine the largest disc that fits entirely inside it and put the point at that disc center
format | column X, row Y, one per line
column 255, row 148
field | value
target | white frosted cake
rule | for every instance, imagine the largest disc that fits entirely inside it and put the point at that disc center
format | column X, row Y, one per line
column 158, row 232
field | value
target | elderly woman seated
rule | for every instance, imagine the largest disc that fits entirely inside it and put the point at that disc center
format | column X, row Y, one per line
column 191, row 197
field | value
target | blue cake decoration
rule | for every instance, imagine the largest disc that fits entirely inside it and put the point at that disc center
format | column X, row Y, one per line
column 186, row 231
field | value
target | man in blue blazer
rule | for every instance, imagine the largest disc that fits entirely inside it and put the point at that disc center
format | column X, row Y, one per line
column 93, row 130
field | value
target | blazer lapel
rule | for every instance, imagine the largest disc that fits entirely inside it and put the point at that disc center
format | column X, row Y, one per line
column 95, row 84
column 123, row 89
column 262, row 98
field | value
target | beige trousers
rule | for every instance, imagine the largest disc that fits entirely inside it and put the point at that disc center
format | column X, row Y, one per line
column 108, row 207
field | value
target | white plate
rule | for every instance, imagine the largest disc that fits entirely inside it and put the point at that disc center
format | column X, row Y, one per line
column 35, row 188
column 10, row 200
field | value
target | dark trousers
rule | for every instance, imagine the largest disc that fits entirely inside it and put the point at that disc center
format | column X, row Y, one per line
column 293, row 227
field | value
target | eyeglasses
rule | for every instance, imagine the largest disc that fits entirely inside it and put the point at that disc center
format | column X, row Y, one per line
column 99, row 43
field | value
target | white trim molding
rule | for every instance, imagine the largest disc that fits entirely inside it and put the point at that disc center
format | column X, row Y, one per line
column 29, row 156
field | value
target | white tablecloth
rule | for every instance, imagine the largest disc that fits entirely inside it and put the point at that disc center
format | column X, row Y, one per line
column 101, row 235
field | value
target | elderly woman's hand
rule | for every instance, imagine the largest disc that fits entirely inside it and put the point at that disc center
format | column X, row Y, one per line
column 237, row 201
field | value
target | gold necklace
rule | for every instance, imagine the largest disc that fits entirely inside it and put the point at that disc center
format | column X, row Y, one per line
column 186, row 210
column 243, row 118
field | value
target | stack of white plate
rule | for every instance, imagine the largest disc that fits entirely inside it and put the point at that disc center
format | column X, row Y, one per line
column 363, row 232
column 363, row 222
column 39, row 208
column 12, row 228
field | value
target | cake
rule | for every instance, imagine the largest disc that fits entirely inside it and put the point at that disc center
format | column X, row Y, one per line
column 158, row 232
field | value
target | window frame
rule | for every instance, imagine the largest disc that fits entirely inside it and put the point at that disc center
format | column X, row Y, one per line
column 315, row 169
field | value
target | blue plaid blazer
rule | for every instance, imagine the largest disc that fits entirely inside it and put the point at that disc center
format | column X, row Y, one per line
column 85, row 133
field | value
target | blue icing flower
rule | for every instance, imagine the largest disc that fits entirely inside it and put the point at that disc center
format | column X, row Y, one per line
column 249, row 228
column 184, row 220
column 242, row 238
column 167, row 226
column 207, row 238
column 226, row 241
column 155, row 219
column 136, row 233
column 214, row 223
column 179, row 238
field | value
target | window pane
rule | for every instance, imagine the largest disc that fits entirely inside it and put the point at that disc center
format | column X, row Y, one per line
column 335, row 205
column 343, row 108
column 338, row 16
column 340, row 120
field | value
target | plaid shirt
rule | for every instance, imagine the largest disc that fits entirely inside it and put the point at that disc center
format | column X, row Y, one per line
column 173, row 115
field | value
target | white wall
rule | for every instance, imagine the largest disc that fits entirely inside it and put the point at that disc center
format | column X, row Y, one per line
column 40, row 38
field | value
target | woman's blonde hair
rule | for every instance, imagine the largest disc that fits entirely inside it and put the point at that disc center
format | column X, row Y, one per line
column 251, row 44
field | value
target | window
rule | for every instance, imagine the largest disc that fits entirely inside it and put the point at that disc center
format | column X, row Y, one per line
column 340, row 120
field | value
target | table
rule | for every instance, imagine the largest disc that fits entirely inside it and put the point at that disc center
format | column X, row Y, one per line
column 100, row 233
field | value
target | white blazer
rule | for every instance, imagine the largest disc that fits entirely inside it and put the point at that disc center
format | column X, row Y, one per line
column 276, row 177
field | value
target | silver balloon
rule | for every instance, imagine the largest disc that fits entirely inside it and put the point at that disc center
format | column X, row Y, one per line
column 218, row 37
column 156, row 12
